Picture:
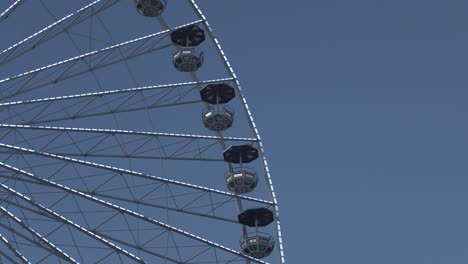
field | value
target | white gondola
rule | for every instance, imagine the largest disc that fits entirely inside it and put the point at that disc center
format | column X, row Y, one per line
column 242, row 180
column 257, row 245
column 218, row 118
column 187, row 59
column 150, row 8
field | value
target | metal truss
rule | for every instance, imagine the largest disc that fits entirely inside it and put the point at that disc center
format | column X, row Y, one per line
column 7, row 12
column 83, row 142
column 72, row 107
column 53, row 30
column 53, row 248
column 132, row 173
column 120, row 209
column 72, row 67
column 70, row 223
column 69, row 191
column 14, row 250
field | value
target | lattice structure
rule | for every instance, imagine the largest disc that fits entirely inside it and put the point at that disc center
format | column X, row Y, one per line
column 103, row 156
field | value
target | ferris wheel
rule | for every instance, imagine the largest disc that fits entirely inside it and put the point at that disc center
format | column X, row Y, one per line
column 125, row 138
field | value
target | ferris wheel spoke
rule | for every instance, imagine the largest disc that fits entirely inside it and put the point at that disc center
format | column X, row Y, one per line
column 150, row 203
column 131, row 173
column 122, row 242
column 91, row 195
column 47, row 218
column 145, row 199
column 72, row 67
column 55, row 229
column 45, row 210
column 15, row 251
column 77, row 106
column 125, row 156
column 106, row 143
column 100, row 131
column 34, row 215
column 38, row 236
column 7, row 12
column 18, row 234
column 53, row 30
column 120, row 209
column 3, row 254
column 59, row 110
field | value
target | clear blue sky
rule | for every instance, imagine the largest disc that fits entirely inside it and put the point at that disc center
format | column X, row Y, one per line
column 362, row 108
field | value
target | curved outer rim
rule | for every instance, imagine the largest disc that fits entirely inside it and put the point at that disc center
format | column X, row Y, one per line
column 252, row 125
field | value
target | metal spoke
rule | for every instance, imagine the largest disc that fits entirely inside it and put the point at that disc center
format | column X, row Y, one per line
column 56, row 250
column 114, row 207
column 7, row 12
column 70, row 223
column 180, row 209
column 5, row 255
column 53, row 30
column 78, row 106
column 14, row 250
column 65, row 69
column 105, row 143
column 133, row 173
